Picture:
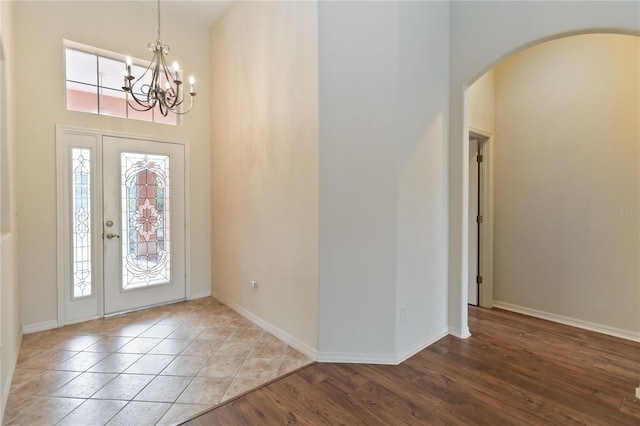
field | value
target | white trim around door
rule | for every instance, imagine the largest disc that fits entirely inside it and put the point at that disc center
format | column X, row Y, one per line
column 83, row 149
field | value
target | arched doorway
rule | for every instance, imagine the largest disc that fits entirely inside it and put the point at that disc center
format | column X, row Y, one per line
column 566, row 181
column 475, row 51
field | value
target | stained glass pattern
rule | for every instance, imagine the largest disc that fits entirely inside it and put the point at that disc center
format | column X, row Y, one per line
column 146, row 254
column 81, row 222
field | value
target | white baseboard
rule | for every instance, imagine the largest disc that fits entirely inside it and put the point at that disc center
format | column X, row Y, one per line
column 357, row 358
column 380, row 358
column 599, row 328
column 39, row 326
column 200, row 294
column 461, row 333
column 408, row 353
column 280, row 334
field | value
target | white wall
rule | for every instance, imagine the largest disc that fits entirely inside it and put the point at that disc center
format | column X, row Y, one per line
column 358, row 51
column 264, row 161
column 567, row 180
column 422, row 199
column 506, row 27
column 124, row 27
column 10, row 326
column 383, row 113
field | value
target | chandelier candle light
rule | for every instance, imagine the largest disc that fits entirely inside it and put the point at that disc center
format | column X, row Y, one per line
column 148, row 95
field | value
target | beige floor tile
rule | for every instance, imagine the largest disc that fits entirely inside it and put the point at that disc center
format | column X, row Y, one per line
column 77, row 343
column 131, row 330
column 115, row 363
column 268, row 338
column 38, row 382
column 289, row 365
column 181, row 412
column 84, row 385
column 140, row 413
column 203, row 347
column 259, row 369
column 172, row 319
column 164, row 389
column 239, row 349
column 82, row 361
column 185, row 365
column 160, row 331
column 150, row 364
column 16, row 404
column 292, row 353
column 108, row 344
column 240, row 386
column 205, row 390
column 93, row 412
column 171, row 346
column 186, row 332
column 45, row 411
column 245, row 334
column 124, row 387
column 156, row 355
column 43, row 340
column 27, row 354
column 44, row 359
column 139, row 345
column 216, row 333
column 268, row 349
column 220, row 366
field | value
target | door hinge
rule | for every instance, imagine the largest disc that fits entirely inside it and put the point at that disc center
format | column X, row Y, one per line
column 479, row 158
column 479, row 219
column 479, row 279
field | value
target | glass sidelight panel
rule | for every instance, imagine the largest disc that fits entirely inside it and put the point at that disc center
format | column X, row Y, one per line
column 146, row 254
column 81, row 222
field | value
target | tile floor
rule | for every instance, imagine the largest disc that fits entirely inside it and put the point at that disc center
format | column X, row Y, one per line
column 157, row 366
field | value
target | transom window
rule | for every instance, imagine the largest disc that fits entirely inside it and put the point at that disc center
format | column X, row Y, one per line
column 94, row 80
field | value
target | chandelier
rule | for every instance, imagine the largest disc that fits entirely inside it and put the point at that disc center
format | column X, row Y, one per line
column 164, row 90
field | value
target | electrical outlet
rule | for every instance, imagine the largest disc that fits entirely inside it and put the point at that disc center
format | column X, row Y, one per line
column 638, row 393
column 253, row 284
column 403, row 313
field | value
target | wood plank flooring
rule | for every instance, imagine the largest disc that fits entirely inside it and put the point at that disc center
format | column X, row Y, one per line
column 514, row 370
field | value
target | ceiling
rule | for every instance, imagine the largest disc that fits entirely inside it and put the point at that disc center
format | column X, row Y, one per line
column 199, row 12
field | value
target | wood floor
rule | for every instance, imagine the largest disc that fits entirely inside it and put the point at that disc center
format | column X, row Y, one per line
column 513, row 370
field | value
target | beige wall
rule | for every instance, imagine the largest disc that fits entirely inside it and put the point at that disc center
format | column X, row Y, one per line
column 124, row 27
column 567, row 176
column 10, row 327
column 481, row 96
column 264, row 164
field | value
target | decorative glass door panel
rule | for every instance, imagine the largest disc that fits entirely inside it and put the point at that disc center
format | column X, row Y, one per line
column 146, row 251
column 83, row 284
column 143, row 223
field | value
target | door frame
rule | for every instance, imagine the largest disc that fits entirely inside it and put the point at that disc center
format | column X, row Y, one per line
column 486, row 206
column 63, row 258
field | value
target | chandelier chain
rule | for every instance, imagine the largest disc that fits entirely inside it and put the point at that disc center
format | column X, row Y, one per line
column 158, row 20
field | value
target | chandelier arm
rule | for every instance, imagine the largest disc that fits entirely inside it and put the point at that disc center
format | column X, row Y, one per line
column 184, row 112
column 173, row 93
column 143, row 109
column 138, row 84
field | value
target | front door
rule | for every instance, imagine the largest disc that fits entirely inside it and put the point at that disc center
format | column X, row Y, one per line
column 121, row 227
column 143, row 223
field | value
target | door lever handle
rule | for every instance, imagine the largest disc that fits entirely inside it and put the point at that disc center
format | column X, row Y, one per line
column 110, row 236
